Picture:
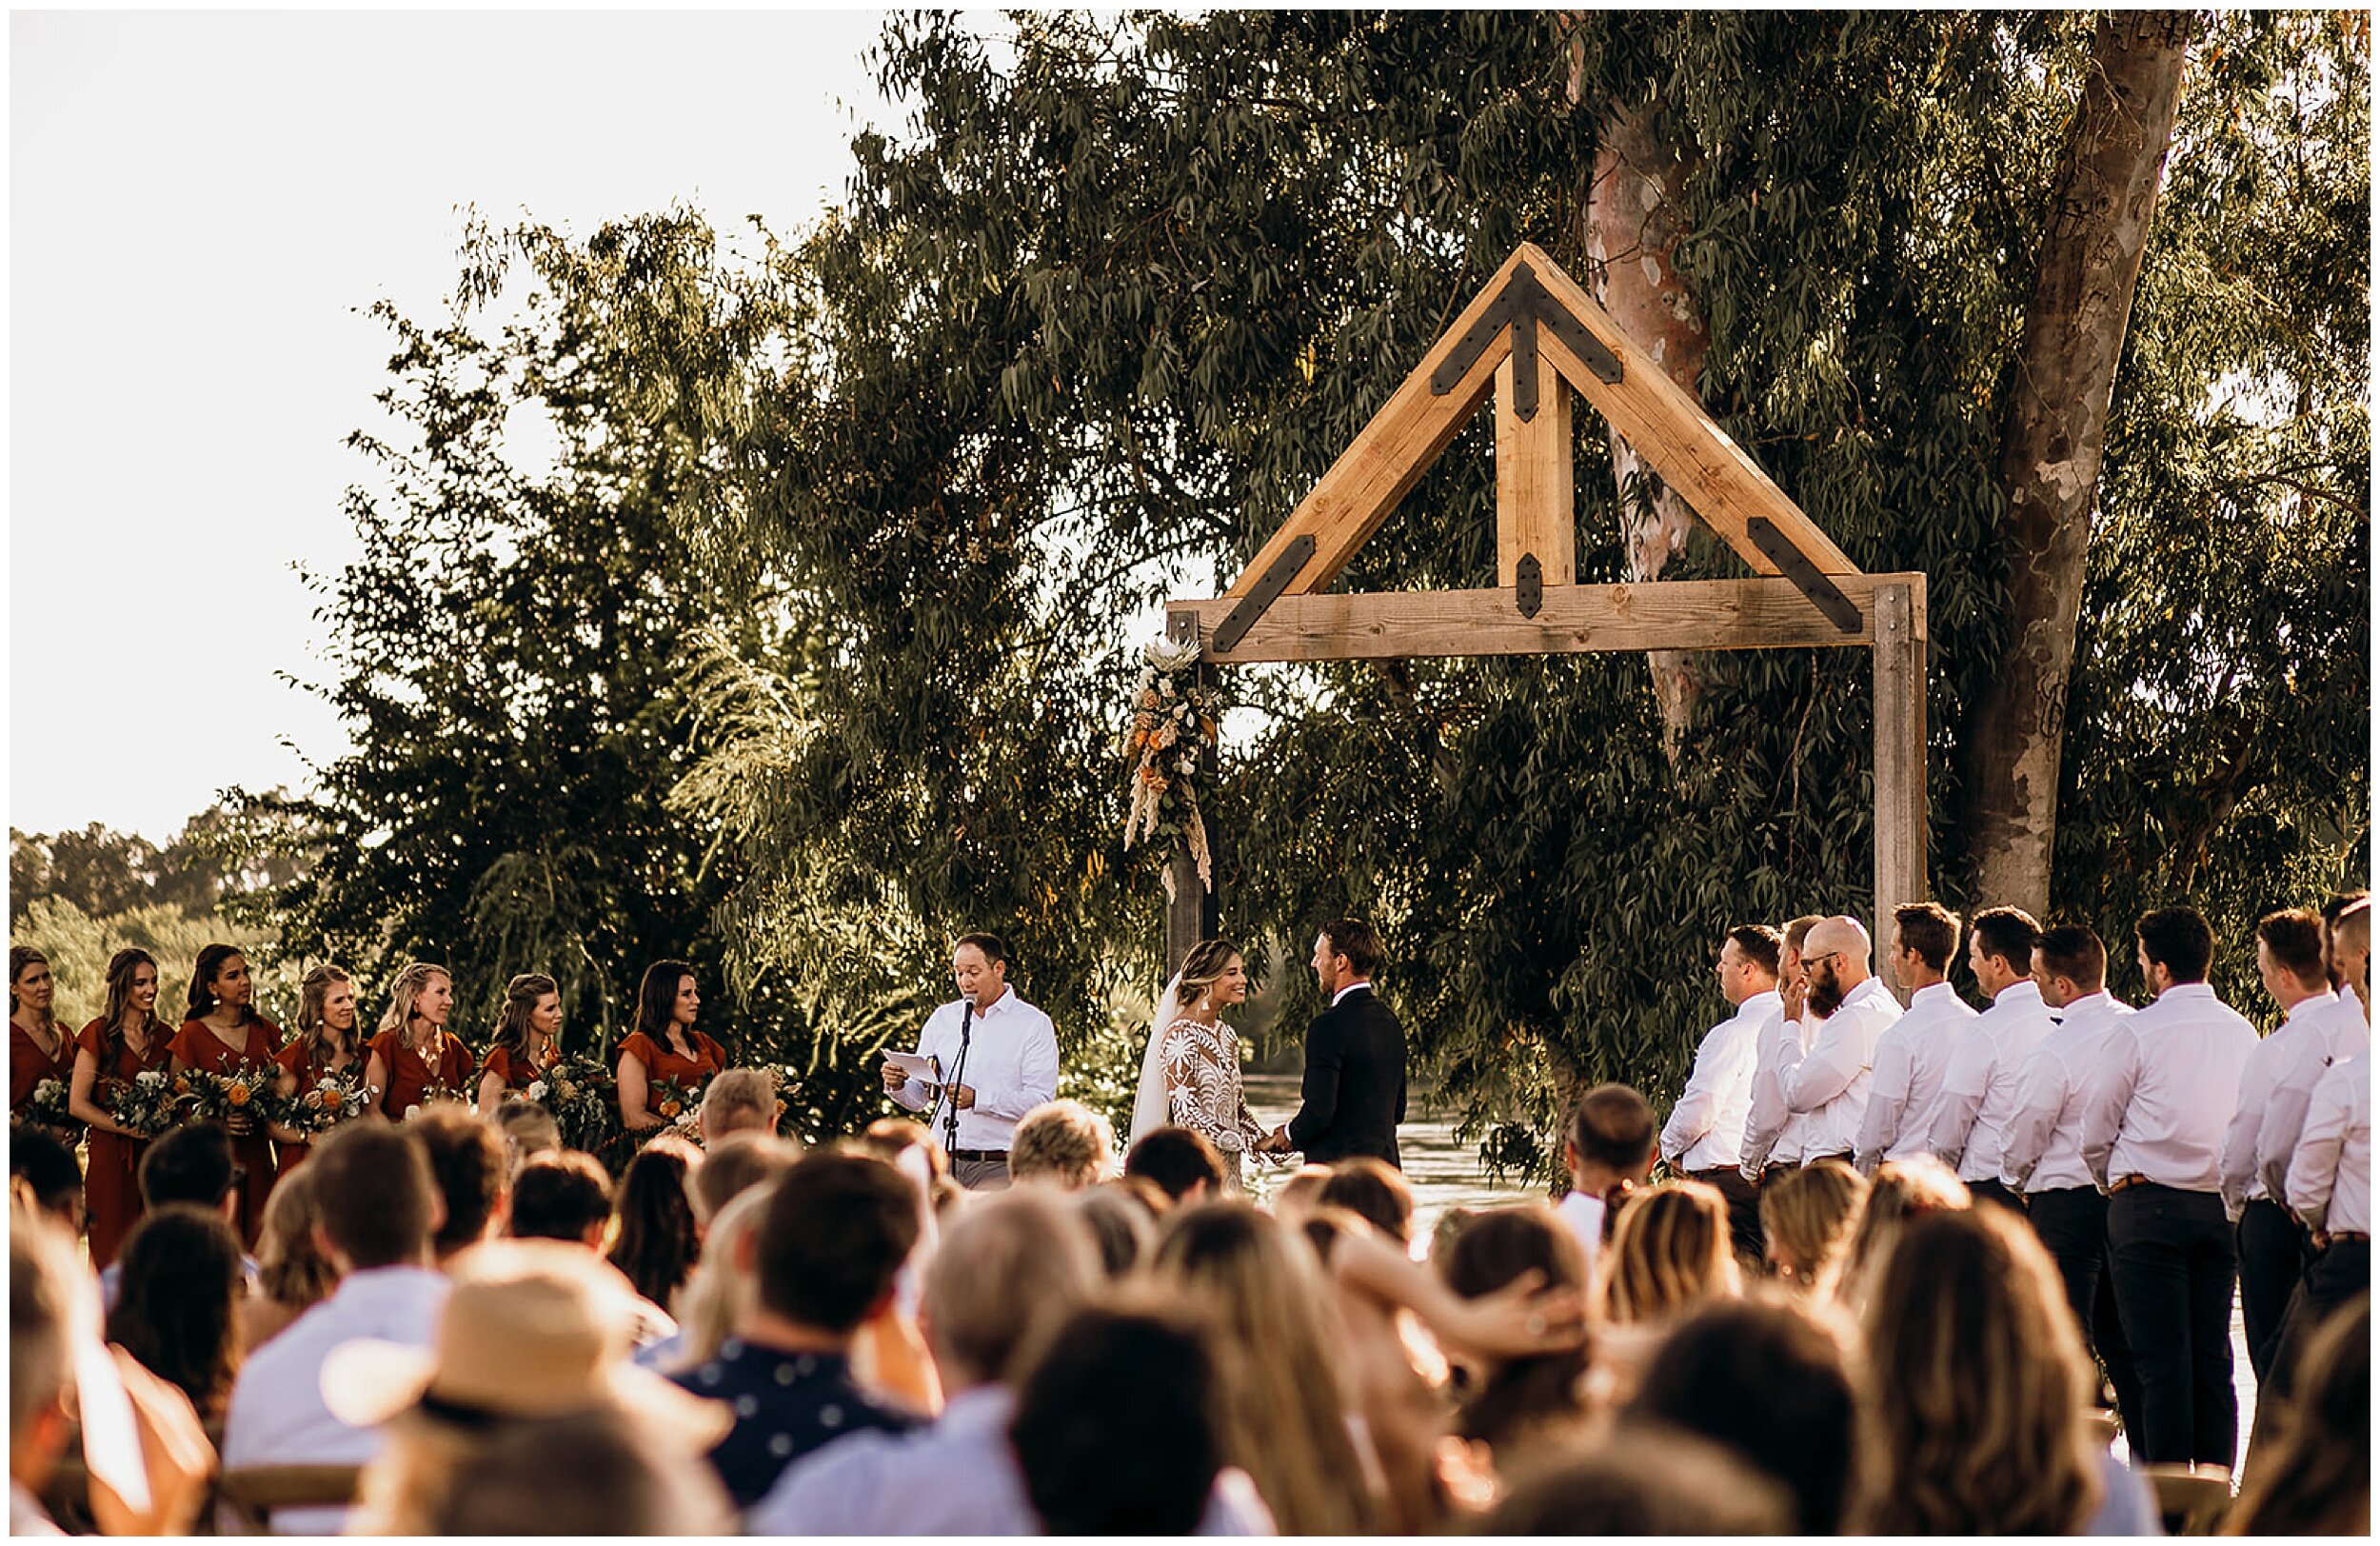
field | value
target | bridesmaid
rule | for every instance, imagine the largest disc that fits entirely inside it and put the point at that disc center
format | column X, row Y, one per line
column 665, row 1044
column 126, row 1039
column 414, row 1050
column 524, row 1048
column 325, row 1043
column 222, row 1031
column 38, row 1046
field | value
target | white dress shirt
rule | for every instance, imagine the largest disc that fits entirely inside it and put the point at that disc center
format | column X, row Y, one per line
column 2042, row 1148
column 1774, row 1134
column 1830, row 1081
column 1581, row 1213
column 2160, row 1105
column 2340, row 1034
column 1980, row 1091
column 1706, row 1127
column 278, row 1416
column 958, row 1477
column 2330, row 1180
column 1012, row 1067
column 2300, row 1030
column 1912, row 1059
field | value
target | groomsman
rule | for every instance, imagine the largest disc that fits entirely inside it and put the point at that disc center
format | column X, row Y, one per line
column 2042, row 1156
column 1979, row 1092
column 2343, row 1034
column 1913, row 1055
column 2273, row 1250
column 1853, row 1008
column 2153, row 1132
column 2330, row 1180
column 1704, row 1136
column 1775, row 1136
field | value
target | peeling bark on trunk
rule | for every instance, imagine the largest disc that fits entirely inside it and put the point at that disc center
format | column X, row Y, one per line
column 2056, row 432
column 1633, row 217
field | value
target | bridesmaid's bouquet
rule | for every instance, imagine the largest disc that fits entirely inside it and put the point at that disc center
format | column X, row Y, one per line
column 585, row 1101
column 145, row 1102
column 679, row 1103
column 329, row 1102
column 435, row 1094
column 236, row 1097
column 46, row 1108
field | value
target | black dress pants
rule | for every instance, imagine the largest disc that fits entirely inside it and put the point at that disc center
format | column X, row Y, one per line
column 1743, row 1210
column 1993, row 1189
column 2175, row 1269
column 2073, row 1223
column 2273, row 1254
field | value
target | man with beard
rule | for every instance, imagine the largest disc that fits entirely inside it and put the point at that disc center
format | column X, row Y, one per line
column 1851, row 1008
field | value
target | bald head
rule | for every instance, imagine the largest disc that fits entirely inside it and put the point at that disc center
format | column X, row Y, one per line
column 1835, row 956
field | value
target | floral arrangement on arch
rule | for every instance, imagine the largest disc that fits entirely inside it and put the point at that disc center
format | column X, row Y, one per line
column 1173, row 718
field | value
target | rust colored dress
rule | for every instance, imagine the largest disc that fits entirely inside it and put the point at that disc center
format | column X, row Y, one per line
column 112, row 1189
column 411, row 1075
column 29, row 1065
column 517, row 1073
column 661, row 1063
column 202, row 1049
column 301, row 1058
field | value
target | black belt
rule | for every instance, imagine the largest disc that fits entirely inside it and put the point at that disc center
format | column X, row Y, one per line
column 976, row 1155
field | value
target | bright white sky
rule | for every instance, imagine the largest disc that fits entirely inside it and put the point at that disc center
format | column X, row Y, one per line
column 200, row 205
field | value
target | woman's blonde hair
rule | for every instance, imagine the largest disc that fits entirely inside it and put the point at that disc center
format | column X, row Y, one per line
column 1902, row 1189
column 716, row 1294
column 405, row 991
column 1670, row 1253
column 1204, row 967
column 1973, row 1387
column 290, row 1268
column 1284, row 1401
column 1808, row 1216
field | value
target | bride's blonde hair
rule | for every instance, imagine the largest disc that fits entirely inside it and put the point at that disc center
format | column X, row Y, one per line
column 1204, row 967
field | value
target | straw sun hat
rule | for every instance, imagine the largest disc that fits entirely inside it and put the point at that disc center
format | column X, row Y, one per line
column 531, row 1329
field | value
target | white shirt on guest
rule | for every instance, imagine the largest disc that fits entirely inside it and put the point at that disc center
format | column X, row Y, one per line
column 1912, row 1059
column 278, row 1416
column 1830, row 1081
column 1705, row 1129
column 1011, row 1065
column 2341, row 1034
column 2330, row 1180
column 2042, row 1148
column 1979, row 1093
column 1774, row 1134
column 958, row 1477
column 2301, row 1028
column 2160, row 1105
column 1582, row 1214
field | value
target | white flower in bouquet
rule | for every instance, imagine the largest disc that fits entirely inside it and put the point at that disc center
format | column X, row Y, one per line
column 537, row 1090
column 150, row 1076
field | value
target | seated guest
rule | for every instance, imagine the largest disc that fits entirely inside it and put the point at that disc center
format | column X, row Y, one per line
column 1671, row 1252
column 1150, row 1466
column 1007, row 1271
column 191, row 1164
column 1807, row 1217
column 1298, row 1197
column 1063, row 1143
column 469, row 1162
column 1183, row 1164
column 177, row 1302
column 378, row 1210
column 1647, row 1480
column 626, row 1478
column 1373, row 1190
column 1975, row 1376
column 1518, row 1404
column 654, row 1236
column 568, row 1197
column 41, row 1370
column 2317, row 1478
column 293, row 1273
column 528, row 1131
column 734, row 1163
column 1769, row 1382
column 48, row 1173
column 739, row 1100
column 1902, row 1189
column 1608, row 1150
column 717, row 1294
column 837, row 1228
column 1121, row 1225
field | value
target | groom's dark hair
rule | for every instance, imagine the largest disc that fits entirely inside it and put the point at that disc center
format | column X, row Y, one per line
column 1353, row 938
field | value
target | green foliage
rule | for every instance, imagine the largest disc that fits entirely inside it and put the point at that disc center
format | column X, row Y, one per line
column 103, row 871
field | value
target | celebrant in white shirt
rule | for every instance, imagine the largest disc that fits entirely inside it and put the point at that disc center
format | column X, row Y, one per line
column 996, row 1057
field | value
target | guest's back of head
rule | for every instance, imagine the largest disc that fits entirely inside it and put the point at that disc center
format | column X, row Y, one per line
column 177, row 1305
column 1770, row 1383
column 1808, row 1216
column 654, row 1236
column 290, row 1267
column 1119, row 1224
column 1646, row 1481
column 379, row 1201
column 562, row 1196
column 528, row 1130
column 467, row 1158
column 1670, row 1253
column 1063, row 1143
column 1373, row 1190
column 191, row 1164
column 1517, row 1398
column 1300, row 1194
column 1095, row 1465
column 40, row 1284
column 1901, row 1190
column 47, row 1170
column 718, row 1293
column 1015, row 1264
column 1179, row 1160
column 733, row 1163
column 837, row 1228
column 2318, row 1480
column 739, row 1100
column 593, row 1473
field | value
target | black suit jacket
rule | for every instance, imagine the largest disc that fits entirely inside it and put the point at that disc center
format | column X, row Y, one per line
column 1354, row 1093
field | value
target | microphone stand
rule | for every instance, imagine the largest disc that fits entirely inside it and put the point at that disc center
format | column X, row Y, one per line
column 950, row 1106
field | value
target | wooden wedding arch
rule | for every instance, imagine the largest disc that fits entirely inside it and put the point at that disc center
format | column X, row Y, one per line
column 1532, row 337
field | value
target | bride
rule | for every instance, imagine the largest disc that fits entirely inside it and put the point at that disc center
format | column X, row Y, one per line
column 1190, row 1075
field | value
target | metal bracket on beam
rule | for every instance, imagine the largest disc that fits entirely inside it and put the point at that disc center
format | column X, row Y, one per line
column 1529, row 584
column 1268, row 589
column 1823, row 593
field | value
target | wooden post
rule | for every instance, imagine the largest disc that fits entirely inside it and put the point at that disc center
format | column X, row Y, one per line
column 1900, row 750
column 1193, row 912
column 1535, row 513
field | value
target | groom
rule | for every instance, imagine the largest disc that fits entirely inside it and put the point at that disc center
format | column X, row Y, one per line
column 1354, row 1079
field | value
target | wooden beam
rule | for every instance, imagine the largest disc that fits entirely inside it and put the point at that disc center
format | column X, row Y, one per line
column 1535, row 512
column 1766, row 613
column 1896, row 616
column 1670, row 428
column 1191, row 912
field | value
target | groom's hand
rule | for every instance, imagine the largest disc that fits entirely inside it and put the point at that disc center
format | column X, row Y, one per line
column 1276, row 1142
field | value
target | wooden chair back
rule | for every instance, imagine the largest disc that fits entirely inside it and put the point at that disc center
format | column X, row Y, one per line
column 252, row 1492
column 2192, row 1499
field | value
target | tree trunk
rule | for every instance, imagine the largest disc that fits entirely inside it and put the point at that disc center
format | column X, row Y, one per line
column 2054, row 433
column 1635, row 214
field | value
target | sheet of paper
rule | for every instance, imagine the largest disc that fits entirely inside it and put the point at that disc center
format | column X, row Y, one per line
column 917, row 1068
